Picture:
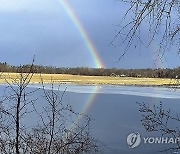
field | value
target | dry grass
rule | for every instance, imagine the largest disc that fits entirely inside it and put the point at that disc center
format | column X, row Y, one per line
column 66, row 78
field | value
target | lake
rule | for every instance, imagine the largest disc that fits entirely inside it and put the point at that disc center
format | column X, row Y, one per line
column 115, row 113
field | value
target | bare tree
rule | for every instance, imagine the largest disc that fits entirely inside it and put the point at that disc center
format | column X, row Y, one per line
column 159, row 17
column 57, row 131
column 13, row 108
column 155, row 118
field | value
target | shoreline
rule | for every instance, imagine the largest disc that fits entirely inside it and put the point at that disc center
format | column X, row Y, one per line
column 95, row 84
column 94, row 80
column 123, row 85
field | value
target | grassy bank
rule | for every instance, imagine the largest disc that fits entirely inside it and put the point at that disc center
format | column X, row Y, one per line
column 66, row 78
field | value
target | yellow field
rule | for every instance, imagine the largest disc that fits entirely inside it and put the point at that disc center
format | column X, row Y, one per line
column 66, row 78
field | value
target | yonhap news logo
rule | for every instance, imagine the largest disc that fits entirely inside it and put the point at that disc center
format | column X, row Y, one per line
column 135, row 139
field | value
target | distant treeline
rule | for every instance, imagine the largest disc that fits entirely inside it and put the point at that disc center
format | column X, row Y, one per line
column 153, row 73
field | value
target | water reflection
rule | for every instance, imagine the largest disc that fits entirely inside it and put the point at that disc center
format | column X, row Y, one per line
column 115, row 113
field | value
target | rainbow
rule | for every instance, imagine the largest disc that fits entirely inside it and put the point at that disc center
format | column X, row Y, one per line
column 87, row 105
column 92, row 49
column 98, row 63
column 158, row 57
column 91, row 98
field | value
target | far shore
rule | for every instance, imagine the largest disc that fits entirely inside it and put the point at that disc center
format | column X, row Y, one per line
column 97, row 80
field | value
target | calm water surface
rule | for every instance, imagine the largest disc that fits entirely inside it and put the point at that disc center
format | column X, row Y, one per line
column 115, row 113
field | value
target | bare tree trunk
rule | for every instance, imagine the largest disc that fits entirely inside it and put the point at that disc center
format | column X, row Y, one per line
column 52, row 125
column 17, row 124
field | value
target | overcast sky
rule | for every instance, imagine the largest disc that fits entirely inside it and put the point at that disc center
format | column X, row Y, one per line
column 44, row 29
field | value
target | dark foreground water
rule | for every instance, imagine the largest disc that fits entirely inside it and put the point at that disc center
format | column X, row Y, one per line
column 115, row 115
